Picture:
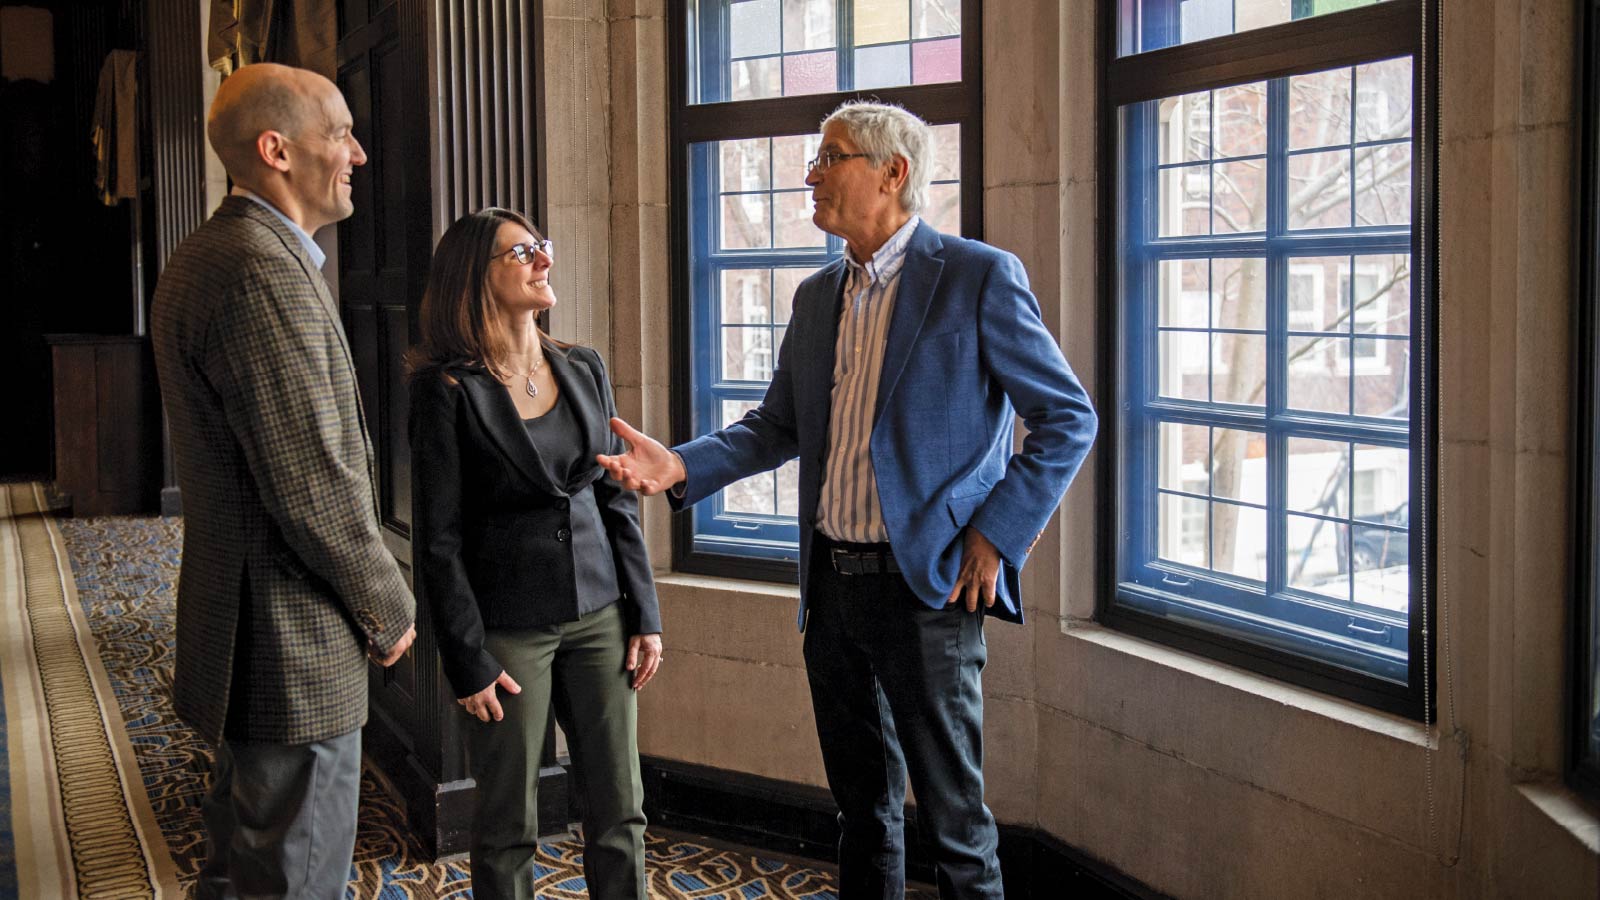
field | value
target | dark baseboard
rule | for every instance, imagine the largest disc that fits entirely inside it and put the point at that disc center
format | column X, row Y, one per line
column 798, row 820
column 171, row 502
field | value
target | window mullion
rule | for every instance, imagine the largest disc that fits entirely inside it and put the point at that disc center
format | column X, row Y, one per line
column 1277, row 334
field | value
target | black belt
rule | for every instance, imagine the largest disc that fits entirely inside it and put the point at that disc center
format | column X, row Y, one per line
column 868, row 559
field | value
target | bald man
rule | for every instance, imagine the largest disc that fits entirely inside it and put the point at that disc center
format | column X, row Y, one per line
column 286, row 587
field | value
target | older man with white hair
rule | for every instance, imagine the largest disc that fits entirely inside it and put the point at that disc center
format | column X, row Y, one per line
column 903, row 369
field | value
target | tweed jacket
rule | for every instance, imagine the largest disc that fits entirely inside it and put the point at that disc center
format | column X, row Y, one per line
column 282, row 558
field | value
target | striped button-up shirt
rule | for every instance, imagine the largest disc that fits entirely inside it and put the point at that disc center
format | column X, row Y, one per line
column 848, row 509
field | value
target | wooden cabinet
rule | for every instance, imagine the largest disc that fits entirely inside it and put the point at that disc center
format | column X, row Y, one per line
column 107, row 413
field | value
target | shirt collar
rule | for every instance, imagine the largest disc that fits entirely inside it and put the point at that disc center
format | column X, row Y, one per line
column 886, row 263
column 317, row 256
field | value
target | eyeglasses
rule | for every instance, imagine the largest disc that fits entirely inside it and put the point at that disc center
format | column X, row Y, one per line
column 827, row 159
column 523, row 253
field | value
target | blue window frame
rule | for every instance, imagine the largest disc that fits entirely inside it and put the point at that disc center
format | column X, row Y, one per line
column 1272, row 343
column 757, row 78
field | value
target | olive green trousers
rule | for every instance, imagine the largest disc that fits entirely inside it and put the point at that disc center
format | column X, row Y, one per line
column 577, row 668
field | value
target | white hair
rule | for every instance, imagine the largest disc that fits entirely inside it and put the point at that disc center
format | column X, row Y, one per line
column 884, row 131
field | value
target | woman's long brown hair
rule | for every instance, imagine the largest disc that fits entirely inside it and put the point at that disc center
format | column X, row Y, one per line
column 460, row 323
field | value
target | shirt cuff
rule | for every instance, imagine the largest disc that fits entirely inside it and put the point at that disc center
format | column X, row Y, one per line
column 681, row 488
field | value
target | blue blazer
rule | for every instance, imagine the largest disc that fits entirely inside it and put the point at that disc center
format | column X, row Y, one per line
column 966, row 354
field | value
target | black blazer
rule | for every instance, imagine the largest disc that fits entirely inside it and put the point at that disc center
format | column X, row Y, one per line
column 495, row 533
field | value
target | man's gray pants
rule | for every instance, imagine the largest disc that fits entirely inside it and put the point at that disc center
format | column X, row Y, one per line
column 281, row 820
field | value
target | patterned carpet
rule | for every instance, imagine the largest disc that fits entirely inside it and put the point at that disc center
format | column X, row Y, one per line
column 126, row 571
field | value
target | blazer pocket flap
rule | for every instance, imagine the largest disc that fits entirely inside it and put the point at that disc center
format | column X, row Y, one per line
column 961, row 508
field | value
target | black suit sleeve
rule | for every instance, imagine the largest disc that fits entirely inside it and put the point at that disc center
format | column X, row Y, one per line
column 619, row 510
column 436, row 460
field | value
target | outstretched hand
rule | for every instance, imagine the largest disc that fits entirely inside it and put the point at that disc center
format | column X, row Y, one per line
column 648, row 467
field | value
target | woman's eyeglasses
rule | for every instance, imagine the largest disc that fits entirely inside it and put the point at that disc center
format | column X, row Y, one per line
column 522, row 254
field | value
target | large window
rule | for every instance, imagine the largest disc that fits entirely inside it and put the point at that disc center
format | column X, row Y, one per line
column 1584, row 755
column 754, row 81
column 1272, row 333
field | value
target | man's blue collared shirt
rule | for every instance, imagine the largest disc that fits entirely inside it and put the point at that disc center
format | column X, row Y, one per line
column 317, row 256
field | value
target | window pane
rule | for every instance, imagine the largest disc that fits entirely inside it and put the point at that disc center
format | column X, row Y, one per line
column 1383, row 184
column 788, row 483
column 936, row 61
column 746, row 221
column 1240, row 195
column 1239, row 369
column 1319, row 190
column 753, row 495
column 745, row 165
column 1383, row 304
column 1319, row 477
column 1187, row 128
column 1319, row 374
column 810, row 73
column 1185, row 200
column 1183, row 464
column 1380, row 562
column 745, row 297
column 881, row 21
column 1183, row 530
column 1319, row 109
column 1239, row 292
column 1239, row 540
column 1241, row 120
column 1314, row 299
column 886, row 66
column 1383, row 100
column 935, row 18
column 807, row 25
column 753, row 79
column 1382, row 378
column 1185, row 293
column 753, row 28
column 946, row 152
column 1381, row 485
column 944, row 207
column 1184, row 368
column 1239, row 465
column 1315, row 555
column 1144, row 25
column 747, row 353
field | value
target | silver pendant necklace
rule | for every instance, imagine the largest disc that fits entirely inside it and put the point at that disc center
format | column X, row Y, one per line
column 533, row 389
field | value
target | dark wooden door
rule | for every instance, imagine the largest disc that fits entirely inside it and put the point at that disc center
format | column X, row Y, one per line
column 383, row 253
column 489, row 156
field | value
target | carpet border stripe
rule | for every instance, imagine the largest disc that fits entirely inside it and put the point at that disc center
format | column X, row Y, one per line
column 100, row 806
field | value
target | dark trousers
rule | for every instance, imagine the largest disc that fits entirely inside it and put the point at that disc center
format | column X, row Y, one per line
column 578, row 668
column 281, row 819
column 896, row 687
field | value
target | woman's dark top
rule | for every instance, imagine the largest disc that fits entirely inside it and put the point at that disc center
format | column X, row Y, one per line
column 558, row 438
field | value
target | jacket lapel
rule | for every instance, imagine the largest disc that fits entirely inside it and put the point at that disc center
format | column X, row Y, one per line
column 579, row 387
column 919, row 277
column 818, row 359
column 500, row 420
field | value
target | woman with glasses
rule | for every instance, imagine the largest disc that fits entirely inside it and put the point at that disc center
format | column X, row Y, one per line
column 531, row 558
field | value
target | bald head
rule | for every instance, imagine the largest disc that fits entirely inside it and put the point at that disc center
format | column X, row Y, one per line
column 259, row 98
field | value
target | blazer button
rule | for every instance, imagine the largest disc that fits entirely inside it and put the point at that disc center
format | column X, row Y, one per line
column 563, row 534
